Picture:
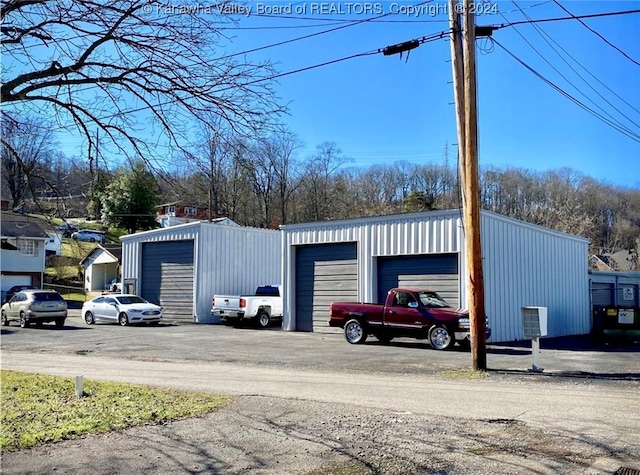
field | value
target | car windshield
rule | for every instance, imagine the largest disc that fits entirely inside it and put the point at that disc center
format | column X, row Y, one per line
column 432, row 300
column 47, row 297
column 129, row 299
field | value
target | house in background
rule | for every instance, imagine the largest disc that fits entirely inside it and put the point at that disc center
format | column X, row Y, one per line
column 53, row 246
column 173, row 214
column 23, row 250
column 102, row 267
column 619, row 261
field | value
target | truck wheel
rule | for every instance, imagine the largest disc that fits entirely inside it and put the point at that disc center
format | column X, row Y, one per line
column 263, row 319
column 440, row 338
column 355, row 332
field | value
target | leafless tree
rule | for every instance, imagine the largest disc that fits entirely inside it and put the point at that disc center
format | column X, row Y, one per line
column 318, row 180
column 27, row 143
column 142, row 72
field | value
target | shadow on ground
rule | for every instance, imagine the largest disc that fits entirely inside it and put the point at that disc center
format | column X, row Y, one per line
column 568, row 343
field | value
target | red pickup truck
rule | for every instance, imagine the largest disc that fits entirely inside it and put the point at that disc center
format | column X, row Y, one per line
column 421, row 314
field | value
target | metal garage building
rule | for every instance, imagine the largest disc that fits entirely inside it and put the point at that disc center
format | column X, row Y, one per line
column 613, row 288
column 182, row 267
column 359, row 260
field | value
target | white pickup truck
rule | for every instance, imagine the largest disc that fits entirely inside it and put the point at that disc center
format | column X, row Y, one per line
column 263, row 307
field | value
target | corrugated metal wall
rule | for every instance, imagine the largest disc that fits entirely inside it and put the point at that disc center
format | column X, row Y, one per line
column 229, row 259
column 524, row 265
column 398, row 235
column 234, row 260
column 527, row 265
column 613, row 288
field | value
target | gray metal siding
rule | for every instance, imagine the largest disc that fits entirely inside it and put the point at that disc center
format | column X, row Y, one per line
column 437, row 272
column 228, row 259
column 324, row 274
column 234, row 260
column 167, row 277
column 601, row 294
column 524, row 264
column 530, row 266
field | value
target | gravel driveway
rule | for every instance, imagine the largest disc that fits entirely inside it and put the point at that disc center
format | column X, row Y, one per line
column 312, row 404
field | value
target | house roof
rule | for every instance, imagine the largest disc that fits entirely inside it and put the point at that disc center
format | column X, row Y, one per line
column 114, row 250
column 15, row 225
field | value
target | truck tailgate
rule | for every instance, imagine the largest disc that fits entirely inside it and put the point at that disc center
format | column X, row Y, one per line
column 226, row 302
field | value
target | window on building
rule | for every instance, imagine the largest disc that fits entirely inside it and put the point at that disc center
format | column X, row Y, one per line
column 171, row 209
column 190, row 210
column 27, row 247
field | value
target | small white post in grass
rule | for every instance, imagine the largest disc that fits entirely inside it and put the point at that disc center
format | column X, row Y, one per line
column 79, row 385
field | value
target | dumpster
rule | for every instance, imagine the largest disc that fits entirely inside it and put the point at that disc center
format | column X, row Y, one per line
column 616, row 322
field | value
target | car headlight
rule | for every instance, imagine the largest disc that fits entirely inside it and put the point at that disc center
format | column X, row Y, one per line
column 464, row 323
column 135, row 310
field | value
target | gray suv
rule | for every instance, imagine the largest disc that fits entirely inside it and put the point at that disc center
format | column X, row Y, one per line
column 35, row 306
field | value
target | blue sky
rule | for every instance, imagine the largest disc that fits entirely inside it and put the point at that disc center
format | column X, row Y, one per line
column 381, row 109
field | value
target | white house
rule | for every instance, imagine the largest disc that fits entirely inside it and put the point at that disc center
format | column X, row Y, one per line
column 102, row 267
column 22, row 254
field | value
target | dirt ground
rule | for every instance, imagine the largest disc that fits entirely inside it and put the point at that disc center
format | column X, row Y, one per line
column 264, row 435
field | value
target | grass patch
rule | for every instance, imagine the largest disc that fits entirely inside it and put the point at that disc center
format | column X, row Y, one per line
column 38, row 408
column 465, row 373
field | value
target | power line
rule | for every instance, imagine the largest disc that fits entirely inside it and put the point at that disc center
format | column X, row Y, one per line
column 630, row 134
column 330, row 30
column 596, row 33
column 544, row 36
column 424, row 39
column 573, row 17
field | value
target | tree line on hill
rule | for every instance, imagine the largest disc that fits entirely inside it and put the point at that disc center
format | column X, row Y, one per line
column 266, row 182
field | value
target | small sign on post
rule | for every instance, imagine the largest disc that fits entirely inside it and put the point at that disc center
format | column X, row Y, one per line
column 534, row 326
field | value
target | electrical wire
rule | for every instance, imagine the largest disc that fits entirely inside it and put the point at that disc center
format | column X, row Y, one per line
column 596, row 33
column 630, row 134
column 424, row 39
column 318, row 33
column 574, row 17
column 544, row 36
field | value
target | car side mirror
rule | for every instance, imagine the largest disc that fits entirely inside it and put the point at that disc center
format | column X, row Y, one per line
column 413, row 305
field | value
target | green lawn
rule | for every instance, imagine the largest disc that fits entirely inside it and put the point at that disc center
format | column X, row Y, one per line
column 38, row 408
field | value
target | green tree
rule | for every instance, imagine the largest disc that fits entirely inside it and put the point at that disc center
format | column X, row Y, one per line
column 129, row 201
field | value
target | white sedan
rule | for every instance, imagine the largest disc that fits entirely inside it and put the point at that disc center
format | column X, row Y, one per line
column 121, row 308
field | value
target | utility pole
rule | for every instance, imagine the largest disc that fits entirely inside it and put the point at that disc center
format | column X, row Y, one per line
column 467, row 125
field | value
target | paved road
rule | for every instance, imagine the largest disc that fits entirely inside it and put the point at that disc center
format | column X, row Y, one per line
column 585, row 394
column 608, row 412
column 323, row 367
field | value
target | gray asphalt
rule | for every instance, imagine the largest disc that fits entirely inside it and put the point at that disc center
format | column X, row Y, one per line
column 586, row 389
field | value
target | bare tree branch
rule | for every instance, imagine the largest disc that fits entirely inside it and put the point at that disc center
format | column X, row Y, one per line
column 123, row 66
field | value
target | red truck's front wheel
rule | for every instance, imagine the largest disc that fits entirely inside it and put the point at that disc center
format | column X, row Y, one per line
column 355, row 332
column 440, row 338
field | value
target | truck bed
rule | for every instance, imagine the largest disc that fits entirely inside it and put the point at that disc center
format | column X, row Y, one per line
column 339, row 311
